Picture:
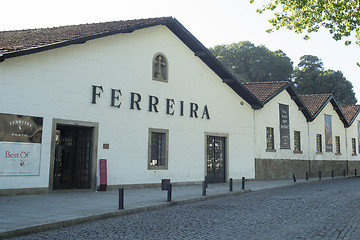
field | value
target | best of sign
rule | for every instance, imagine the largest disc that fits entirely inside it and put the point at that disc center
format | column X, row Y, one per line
column 22, row 155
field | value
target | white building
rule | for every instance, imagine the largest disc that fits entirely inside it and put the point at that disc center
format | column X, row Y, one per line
column 145, row 95
column 130, row 103
column 326, row 136
column 352, row 134
column 302, row 135
column 281, row 131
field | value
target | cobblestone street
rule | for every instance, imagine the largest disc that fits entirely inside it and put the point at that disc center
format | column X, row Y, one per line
column 314, row 210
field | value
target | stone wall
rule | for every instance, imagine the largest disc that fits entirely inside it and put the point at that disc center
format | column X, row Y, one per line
column 266, row 169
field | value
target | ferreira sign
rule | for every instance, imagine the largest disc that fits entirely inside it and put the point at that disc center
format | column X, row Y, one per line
column 20, row 144
column 136, row 103
column 284, row 126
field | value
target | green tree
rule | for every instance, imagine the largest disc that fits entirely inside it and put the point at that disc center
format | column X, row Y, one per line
column 310, row 77
column 250, row 63
column 340, row 17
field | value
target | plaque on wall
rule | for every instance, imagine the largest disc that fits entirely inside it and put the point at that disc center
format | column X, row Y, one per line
column 20, row 144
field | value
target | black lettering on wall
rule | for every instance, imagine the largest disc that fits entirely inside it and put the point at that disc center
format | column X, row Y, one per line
column 170, row 106
column 181, row 108
column 193, row 110
column 153, row 101
column 94, row 93
column 135, row 101
column 206, row 113
column 115, row 97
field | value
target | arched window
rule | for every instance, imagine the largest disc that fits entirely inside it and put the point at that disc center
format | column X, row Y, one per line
column 160, row 68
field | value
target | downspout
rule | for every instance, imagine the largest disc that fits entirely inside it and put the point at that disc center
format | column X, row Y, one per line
column 254, row 149
column 346, row 145
column 308, row 143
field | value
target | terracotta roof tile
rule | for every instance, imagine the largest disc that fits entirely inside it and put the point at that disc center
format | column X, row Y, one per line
column 350, row 112
column 264, row 91
column 314, row 102
column 26, row 39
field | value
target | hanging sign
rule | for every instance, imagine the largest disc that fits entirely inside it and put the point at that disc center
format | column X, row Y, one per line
column 328, row 134
column 284, row 126
column 20, row 144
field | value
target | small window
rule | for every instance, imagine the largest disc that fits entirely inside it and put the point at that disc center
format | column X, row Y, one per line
column 337, row 144
column 297, row 142
column 353, row 143
column 158, row 149
column 318, row 143
column 160, row 68
column 270, row 139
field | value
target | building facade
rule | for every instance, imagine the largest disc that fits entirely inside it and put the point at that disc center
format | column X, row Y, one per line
column 130, row 103
column 142, row 100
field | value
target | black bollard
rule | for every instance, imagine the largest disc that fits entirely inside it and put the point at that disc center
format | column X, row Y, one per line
column 319, row 174
column 164, row 184
column 206, row 182
column 204, row 188
column 307, row 176
column 355, row 173
column 169, row 188
column 344, row 173
column 294, row 177
column 332, row 173
column 231, row 185
column 121, row 198
column 243, row 183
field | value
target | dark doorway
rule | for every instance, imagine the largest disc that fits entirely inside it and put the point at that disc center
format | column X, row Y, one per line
column 72, row 163
column 216, row 159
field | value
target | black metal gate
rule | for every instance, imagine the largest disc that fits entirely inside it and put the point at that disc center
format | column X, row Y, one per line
column 72, row 163
column 216, row 159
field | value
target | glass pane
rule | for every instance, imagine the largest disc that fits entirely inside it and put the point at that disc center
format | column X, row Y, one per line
column 215, row 159
column 158, row 149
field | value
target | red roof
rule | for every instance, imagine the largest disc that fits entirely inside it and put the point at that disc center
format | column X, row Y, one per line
column 350, row 112
column 264, row 91
column 315, row 102
column 32, row 38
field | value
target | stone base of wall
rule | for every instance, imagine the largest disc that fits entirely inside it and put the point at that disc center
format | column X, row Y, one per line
column 266, row 169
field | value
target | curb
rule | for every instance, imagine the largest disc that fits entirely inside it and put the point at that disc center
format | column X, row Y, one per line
column 115, row 213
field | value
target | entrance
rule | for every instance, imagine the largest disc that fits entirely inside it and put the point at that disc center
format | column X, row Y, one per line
column 72, row 163
column 216, row 159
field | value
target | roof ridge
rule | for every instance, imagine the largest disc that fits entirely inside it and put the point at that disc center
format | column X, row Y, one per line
column 316, row 94
column 267, row 82
column 86, row 24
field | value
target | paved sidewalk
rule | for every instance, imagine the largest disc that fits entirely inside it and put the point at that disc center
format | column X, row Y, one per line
column 23, row 214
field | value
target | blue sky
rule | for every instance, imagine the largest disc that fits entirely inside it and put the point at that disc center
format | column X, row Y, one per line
column 213, row 22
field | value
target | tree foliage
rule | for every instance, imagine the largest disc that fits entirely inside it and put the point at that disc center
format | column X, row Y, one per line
column 310, row 77
column 340, row 17
column 250, row 63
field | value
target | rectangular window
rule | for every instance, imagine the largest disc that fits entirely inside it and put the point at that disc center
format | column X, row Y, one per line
column 318, row 143
column 158, row 149
column 297, row 142
column 270, row 138
column 337, row 144
column 353, row 143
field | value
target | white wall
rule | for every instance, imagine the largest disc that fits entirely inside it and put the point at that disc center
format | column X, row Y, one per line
column 352, row 132
column 58, row 84
column 317, row 126
column 268, row 116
